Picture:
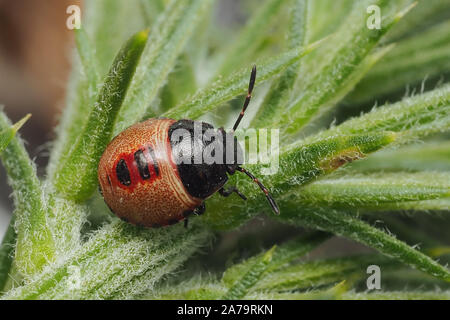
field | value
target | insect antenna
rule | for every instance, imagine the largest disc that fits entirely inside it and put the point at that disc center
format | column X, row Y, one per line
column 247, row 99
column 272, row 202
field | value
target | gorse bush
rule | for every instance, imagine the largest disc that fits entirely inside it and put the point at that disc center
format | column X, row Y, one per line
column 321, row 69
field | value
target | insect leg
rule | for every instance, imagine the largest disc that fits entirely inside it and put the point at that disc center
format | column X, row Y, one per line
column 200, row 209
column 269, row 197
column 226, row 193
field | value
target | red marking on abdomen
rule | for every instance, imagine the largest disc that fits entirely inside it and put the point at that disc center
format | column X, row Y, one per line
column 135, row 176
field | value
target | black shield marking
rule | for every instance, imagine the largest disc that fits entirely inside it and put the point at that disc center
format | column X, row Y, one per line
column 123, row 174
column 142, row 164
column 155, row 164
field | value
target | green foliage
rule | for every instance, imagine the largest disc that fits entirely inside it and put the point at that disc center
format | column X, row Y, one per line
column 342, row 69
column 315, row 60
column 279, row 257
column 251, row 36
column 298, row 164
column 222, row 90
column 6, row 254
column 414, row 117
column 281, row 89
column 374, row 191
column 241, row 287
column 171, row 32
column 7, row 134
column 118, row 261
column 35, row 246
column 9, row 239
column 77, row 177
column 413, row 60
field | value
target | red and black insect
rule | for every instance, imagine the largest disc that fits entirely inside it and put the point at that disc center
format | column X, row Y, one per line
column 143, row 184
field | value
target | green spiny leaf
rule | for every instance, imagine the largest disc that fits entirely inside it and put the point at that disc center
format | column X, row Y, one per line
column 251, row 277
column 107, row 25
column 7, row 254
column 284, row 254
column 431, row 156
column 35, row 245
column 322, row 272
column 167, row 40
column 180, row 84
column 77, row 176
column 421, row 206
column 9, row 239
column 411, row 61
column 326, row 16
column 220, row 91
column 6, row 135
column 88, row 60
column 343, row 224
column 250, row 36
column 299, row 163
column 281, row 89
column 415, row 117
column 118, row 261
column 322, row 89
column 373, row 192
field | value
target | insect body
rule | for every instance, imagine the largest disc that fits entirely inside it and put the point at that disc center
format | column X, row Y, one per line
column 144, row 182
